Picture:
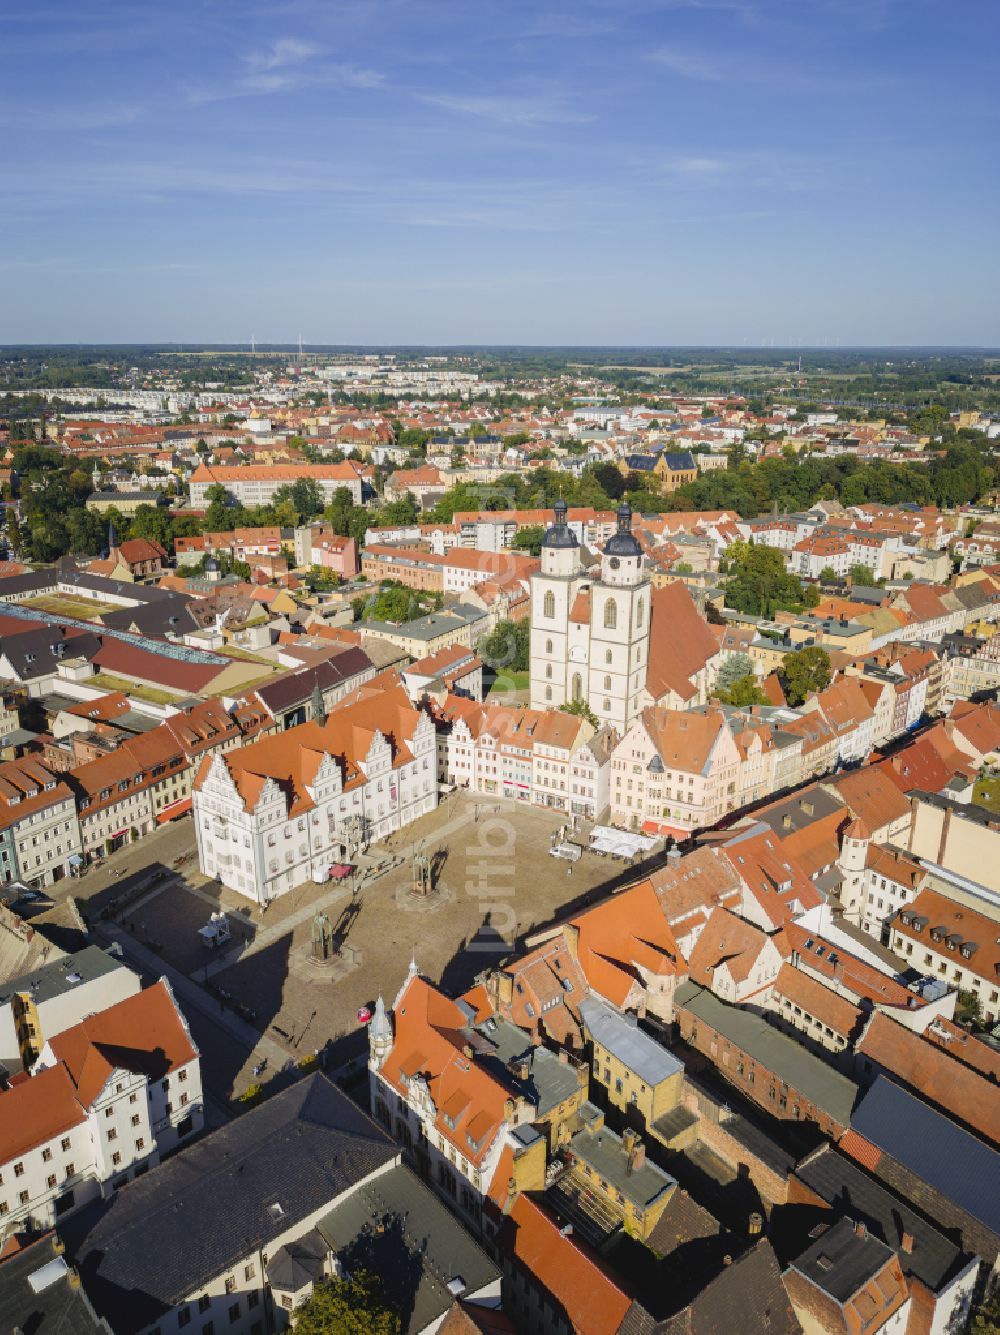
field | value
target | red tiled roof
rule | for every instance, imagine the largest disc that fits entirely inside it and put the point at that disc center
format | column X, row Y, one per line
column 36, row 1110
column 579, row 1283
column 929, row 1070
column 143, row 1033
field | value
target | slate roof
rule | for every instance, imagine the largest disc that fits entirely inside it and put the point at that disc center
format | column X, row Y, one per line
column 37, row 1297
column 841, row 1261
column 188, row 1221
column 839, row 1181
column 933, row 1148
column 421, row 1249
column 287, row 692
column 751, row 1287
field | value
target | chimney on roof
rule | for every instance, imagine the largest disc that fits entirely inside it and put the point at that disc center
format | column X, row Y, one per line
column 906, row 1243
column 636, row 1154
column 755, row 1224
column 861, row 1228
column 673, row 856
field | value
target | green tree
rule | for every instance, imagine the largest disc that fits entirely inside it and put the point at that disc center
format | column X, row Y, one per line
column 985, row 1320
column 969, row 1009
column 828, row 575
column 804, row 672
column 218, row 515
column 735, row 667
column 743, row 693
column 339, row 512
column 759, row 584
column 529, row 539
column 580, row 709
column 352, row 1306
column 859, row 573
column 609, row 479
column 507, row 647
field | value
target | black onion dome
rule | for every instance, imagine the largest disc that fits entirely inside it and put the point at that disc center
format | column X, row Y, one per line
column 560, row 534
column 623, row 542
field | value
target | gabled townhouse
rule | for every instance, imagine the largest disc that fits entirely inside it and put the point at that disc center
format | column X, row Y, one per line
column 891, row 883
column 975, row 731
column 548, row 757
column 39, row 832
column 626, row 951
column 734, row 959
column 689, row 889
column 940, row 1276
column 462, row 1118
column 825, row 1021
column 119, row 795
column 106, row 1099
column 675, row 772
column 971, row 667
column 280, row 811
column 775, row 889
column 848, row 712
column 847, row 1281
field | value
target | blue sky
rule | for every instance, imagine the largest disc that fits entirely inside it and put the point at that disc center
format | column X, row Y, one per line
column 607, row 171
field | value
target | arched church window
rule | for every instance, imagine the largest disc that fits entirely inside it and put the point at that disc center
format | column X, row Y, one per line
column 610, row 614
column 577, row 686
column 549, row 605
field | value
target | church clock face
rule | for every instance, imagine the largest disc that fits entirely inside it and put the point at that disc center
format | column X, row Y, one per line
column 614, row 563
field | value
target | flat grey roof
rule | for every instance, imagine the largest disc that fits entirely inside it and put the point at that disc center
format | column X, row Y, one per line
column 834, row 1093
column 642, row 1054
column 62, row 975
column 603, row 1151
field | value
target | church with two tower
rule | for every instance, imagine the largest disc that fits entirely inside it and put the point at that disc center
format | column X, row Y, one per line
column 590, row 636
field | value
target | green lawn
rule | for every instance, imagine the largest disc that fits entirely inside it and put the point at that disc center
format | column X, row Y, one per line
column 150, row 694
column 506, row 682
column 987, row 794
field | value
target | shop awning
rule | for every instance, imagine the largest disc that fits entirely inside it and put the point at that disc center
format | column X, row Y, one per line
column 179, row 808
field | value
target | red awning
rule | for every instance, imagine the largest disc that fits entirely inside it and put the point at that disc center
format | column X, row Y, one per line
column 179, row 808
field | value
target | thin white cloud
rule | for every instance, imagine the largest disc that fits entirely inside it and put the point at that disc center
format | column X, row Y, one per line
column 690, row 64
column 281, row 53
column 527, row 111
column 288, row 64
